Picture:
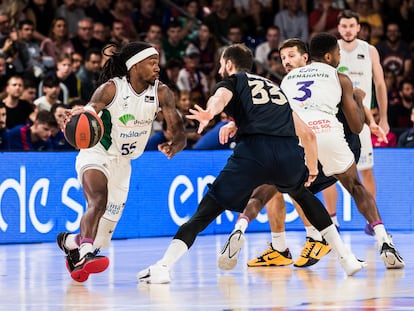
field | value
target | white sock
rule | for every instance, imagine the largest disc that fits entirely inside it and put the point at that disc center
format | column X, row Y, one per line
column 71, row 242
column 84, row 249
column 279, row 241
column 381, row 235
column 175, row 251
column 311, row 232
column 335, row 220
column 241, row 224
column 331, row 236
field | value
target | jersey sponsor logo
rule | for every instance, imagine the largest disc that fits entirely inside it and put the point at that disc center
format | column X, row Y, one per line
column 308, row 75
column 132, row 134
column 125, row 118
column 343, row 69
column 149, row 99
column 113, row 208
column 360, row 56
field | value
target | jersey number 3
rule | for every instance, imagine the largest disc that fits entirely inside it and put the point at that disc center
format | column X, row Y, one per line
column 304, row 87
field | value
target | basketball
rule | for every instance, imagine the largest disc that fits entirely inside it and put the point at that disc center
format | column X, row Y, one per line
column 84, row 130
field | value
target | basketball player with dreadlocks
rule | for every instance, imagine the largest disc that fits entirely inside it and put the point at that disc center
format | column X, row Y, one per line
column 127, row 100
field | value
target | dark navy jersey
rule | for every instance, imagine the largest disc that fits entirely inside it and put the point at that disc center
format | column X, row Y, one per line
column 258, row 106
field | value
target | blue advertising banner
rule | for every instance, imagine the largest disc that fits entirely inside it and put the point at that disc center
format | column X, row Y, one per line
column 41, row 196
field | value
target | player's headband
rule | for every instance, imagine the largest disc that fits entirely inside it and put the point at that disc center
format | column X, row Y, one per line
column 140, row 56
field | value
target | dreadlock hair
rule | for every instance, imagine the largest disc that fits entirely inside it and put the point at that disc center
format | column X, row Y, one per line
column 116, row 64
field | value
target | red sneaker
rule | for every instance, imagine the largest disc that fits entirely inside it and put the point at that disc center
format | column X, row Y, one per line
column 90, row 263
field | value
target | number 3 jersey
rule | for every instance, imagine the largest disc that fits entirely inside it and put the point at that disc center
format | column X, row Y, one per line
column 128, row 119
column 314, row 93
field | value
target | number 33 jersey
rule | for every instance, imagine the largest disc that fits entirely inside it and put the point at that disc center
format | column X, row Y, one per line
column 258, row 106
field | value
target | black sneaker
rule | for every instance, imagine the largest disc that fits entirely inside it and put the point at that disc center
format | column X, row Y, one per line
column 72, row 255
column 90, row 263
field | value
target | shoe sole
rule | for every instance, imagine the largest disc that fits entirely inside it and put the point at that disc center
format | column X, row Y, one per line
column 154, row 280
column 391, row 261
column 310, row 262
column 93, row 266
column 352, row 272
column 229, row 261
column 361, row 265
column 262, row 264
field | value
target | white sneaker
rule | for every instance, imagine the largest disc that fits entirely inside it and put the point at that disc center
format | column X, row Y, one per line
column 155, row 274
column 392, row 259
column 228, row 257
column 351, row 264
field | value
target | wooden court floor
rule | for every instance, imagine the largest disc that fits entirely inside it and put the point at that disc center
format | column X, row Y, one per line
column 34, row 277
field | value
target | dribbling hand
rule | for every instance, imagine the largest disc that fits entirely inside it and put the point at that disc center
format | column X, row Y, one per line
column 168, row 149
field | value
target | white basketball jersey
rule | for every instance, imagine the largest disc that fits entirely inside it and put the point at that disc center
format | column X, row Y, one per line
column 357, row 65
column 313, row 91
column 129, row 117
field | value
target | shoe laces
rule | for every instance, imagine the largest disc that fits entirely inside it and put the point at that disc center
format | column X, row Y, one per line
column 307, row 249
column 269, row 250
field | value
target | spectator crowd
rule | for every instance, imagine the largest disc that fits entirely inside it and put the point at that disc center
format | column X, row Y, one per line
column 52, row 53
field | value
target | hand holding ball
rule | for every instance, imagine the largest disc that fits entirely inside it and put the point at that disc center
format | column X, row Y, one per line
column 84, row 130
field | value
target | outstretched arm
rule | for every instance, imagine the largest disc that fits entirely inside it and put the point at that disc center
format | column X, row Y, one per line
column 215, row 105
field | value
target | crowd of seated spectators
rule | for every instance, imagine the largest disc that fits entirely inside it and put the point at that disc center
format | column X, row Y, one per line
column 52, row 52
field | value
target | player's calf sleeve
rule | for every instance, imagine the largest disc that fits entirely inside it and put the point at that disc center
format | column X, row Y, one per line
column 314, row 210
column 207, row 211
column 106, row 229
column 107, row 225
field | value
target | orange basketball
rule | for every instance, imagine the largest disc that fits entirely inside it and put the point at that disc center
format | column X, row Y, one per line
column 84, row 130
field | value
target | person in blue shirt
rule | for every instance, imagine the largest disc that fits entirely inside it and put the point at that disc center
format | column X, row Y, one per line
column 35, row 137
